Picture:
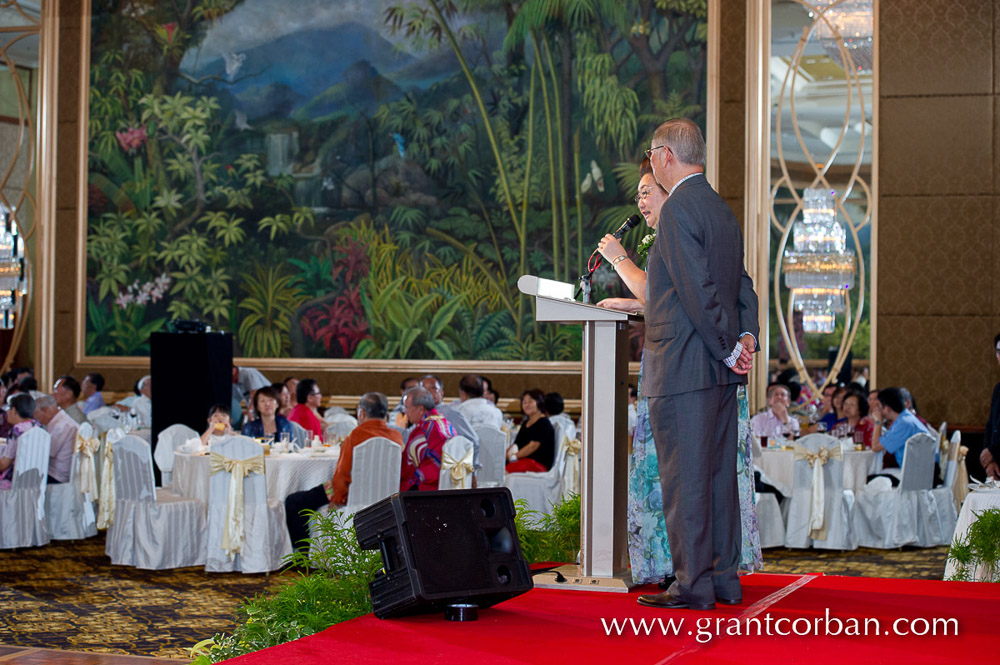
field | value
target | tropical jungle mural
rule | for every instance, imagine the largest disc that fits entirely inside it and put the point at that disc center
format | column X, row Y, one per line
column 368, row 179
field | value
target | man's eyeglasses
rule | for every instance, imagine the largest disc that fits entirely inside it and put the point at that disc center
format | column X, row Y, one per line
column 649, row 153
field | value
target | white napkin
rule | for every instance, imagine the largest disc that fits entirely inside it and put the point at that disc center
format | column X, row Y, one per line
column 191, row 446
column 989, row 485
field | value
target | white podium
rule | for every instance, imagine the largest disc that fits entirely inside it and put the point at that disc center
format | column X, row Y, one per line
column 604, row 426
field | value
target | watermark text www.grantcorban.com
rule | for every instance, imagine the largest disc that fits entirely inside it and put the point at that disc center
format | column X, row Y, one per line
column 704, row 629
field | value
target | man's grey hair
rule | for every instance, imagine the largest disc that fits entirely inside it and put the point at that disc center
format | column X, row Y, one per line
column 45, row 401
column 685, row 140
column 419, row 396
column 375, row 405
column 437, row 381
column 907, row 398
column 142, row 381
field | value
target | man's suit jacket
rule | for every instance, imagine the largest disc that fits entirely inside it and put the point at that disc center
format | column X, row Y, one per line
column 699, row 298
column 991, row 439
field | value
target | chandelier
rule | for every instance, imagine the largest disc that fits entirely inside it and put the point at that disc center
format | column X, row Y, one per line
column 819, row 270
column 11, row 269
column 848, row 23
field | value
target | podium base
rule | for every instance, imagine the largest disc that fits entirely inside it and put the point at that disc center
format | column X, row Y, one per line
column 576, row 581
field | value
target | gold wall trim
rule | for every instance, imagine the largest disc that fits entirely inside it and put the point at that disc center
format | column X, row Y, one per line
column 757, row 179
column 712, row 93
column 45, row 178
column 80, row 334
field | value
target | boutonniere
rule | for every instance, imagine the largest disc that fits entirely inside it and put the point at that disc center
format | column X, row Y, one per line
column 645, row 244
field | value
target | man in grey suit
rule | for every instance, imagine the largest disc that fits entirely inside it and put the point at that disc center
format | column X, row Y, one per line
column 701, row 327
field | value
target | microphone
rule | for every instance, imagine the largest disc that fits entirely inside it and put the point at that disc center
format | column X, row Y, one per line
column 629, row 224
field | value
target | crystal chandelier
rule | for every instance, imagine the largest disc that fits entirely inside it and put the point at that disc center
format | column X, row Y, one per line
column 11, row 269
column 819, row 270
column 851, row 22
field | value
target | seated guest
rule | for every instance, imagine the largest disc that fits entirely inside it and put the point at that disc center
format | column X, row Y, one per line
column 269, row 422
column 90, row 390
column 285, row 404
column 21, row 415
column 855, row 424
column 775, row 422
column 489, row 392
column 452, row 414
column 910, row 405
column 554, row 406
column 422, row 455
column 28, row 385
column 633, row 413
column 66, row 391
column 6, row 427
column 534, row 448
column 398, row 412
column 142, row 407
column 990, row 457
column 220, row 424
column 306, row 412
column 479, row 411
column 62, row 430
column 828, row 416
column 292, row 384
column 894, row 425
column 371, row 413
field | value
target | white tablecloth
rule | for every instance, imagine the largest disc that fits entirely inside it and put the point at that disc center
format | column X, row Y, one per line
column 285, row 473
column 778, row 464
column 974, row 504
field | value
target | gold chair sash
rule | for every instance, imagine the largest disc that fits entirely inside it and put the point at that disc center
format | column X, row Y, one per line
column 960, row 488
column 232, row 532
column 86, row 470
column 458, row 469
column 817, row 509
column 107, row 499
column 573, row 447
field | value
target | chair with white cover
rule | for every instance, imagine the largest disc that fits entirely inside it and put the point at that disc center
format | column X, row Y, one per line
column 770, row 521
column 339, row 424
column 375, row 469
column 300, row 435
column 106, row 479
column 456, row 464
column 572, row 467
column 168, row 441
column 153, row 529
column 246, row 530
column 541, row 489
column 492, row 451
column 908, row 514
column 22, row 507
column 69, row 507
column 104, row 422
column 819, row 508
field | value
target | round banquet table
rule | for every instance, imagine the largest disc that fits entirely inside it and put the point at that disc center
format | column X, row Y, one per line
column 778, row 465
column 976, row 502
column 285, row 473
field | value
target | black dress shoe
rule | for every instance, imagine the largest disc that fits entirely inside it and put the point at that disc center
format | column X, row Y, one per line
column 666, row 601
column 667, row 581
column 729, row 601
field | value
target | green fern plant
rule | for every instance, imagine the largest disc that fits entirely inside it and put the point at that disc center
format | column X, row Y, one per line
column 272, row 298
column 332, row 588
column 553, row 537
column 980, row 547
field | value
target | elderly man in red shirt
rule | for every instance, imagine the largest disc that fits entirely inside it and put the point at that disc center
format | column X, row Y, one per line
column 422, row 456
column 372, row 411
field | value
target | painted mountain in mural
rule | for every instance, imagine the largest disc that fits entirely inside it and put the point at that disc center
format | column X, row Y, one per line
column 292, row 60
column 362, row 88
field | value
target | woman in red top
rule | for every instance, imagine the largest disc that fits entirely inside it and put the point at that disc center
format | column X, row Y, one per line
column 855, row 423
column 306, row 412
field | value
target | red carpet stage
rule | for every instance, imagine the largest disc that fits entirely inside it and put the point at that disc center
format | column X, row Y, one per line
column 901, row 618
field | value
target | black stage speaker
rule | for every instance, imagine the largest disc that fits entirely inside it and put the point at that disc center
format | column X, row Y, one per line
column 191, row 373
column 443, row 548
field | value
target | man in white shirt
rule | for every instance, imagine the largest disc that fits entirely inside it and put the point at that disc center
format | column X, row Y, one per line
column 776, row 423
column 66, row 391
column 62, row 429
column 478, row 410
column 142, row 407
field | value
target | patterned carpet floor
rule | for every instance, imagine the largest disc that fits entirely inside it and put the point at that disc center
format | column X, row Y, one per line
column 67, row 595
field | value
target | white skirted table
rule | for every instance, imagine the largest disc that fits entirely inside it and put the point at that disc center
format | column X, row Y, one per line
column 778, row 465
column 976, row 502
column 285, row 472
